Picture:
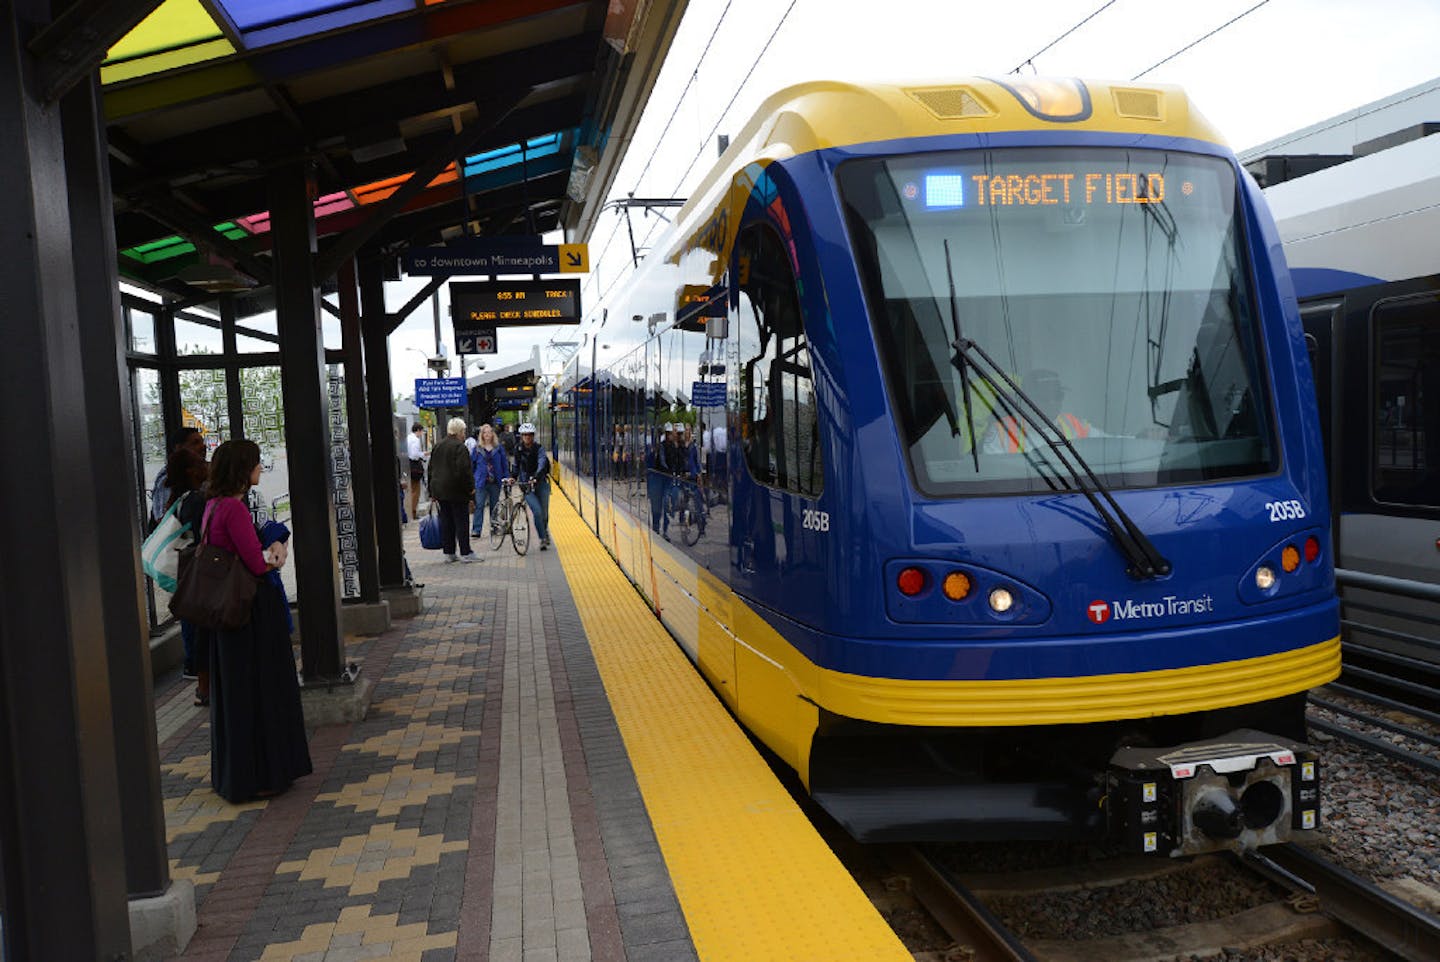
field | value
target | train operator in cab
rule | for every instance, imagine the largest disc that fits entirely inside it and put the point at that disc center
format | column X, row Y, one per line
column 1009, row 434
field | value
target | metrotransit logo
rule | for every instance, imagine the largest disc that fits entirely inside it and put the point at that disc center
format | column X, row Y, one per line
column 1100, row 612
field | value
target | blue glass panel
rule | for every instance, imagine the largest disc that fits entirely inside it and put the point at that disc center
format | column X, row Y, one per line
column 535, row 148
column 264, row 22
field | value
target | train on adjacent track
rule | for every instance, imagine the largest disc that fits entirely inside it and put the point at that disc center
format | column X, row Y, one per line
column 994, row 497
column 1359, row 236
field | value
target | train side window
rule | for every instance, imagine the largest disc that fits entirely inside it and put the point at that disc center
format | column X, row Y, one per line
column 1405, row 464
column 778, row 413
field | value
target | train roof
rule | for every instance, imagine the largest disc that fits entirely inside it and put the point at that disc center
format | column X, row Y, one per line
column 824, row 113
column 1368, row 220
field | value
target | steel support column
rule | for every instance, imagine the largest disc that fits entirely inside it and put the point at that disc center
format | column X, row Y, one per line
column 117, row 530
column 384, row 446
column 307, row 426
column 361, row 483
column 61, row 834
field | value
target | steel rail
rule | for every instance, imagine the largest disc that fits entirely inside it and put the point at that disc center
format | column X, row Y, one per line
column 963, row 916
column 1378, row 745
column 1376, row 721
column 1363, row 906
column 1361, row 695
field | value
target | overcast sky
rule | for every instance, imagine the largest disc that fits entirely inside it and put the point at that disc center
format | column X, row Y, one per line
column 1281, row 66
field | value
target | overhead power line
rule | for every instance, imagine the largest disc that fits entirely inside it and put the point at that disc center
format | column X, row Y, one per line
column 1030, row 60
column 659, row 140
column 1201, row 39
column 710, row 137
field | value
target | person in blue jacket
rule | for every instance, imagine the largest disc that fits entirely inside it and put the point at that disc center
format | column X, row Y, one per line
column 492, row 469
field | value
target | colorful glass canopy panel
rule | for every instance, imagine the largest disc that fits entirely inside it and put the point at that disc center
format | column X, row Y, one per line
column 177, row 34
column 180, row 33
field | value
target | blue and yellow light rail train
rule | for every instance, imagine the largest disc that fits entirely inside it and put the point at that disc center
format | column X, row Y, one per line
column 993, row 499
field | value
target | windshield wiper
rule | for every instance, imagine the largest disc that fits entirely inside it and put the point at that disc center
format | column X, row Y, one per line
column 1145, row 559
column 996, row 395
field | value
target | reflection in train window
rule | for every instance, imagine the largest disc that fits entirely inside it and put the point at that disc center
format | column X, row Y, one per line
column 1406, row 453
column 778, row 413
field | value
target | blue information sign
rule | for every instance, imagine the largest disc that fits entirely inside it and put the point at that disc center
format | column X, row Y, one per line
column 707, row 394
column 439, row 392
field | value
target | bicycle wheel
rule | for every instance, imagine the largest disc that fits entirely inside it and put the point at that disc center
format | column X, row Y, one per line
column 689, row 520
column 498, row 523
column 520, row 529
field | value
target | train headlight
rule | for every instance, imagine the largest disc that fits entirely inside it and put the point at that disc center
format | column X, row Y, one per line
column 1264, row 577
column 1001, row 600
column 956, row 586
column 1312, row 548
column 911, row 581
column 1290, row 558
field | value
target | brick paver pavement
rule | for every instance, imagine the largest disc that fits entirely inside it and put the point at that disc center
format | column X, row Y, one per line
column 484, row 810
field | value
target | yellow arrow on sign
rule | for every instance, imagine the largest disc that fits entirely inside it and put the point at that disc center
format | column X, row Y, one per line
column 574, row 258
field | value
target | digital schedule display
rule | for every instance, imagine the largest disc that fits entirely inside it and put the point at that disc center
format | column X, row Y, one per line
column 490, row 304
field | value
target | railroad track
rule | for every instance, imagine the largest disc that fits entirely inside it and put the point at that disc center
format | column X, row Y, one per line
column 1321, row 901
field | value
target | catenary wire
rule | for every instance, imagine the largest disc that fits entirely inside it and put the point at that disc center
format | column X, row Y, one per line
column 1031, row 59
column 1200, row 40
column 709, row 44
column 719, row 120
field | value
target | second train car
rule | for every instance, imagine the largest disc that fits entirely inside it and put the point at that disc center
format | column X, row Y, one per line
column 992, row 498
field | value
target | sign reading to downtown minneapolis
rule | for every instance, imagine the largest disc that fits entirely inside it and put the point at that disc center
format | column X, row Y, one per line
column 497, row 256
column 486, row 305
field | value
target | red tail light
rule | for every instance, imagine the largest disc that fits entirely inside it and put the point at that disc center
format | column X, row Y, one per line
column 911, row 581
column 1312, row 548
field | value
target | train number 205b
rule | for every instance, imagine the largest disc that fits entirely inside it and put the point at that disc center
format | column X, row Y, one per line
column 813, row 520
column 1285, row 510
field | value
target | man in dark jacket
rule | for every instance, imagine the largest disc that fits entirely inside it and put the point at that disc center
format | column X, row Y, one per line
column 452, row 487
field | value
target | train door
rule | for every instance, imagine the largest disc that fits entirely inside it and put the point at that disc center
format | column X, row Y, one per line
column 778, row 543
column 1388, row 457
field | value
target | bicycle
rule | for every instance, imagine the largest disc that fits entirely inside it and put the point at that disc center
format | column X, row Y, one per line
column 682, row 506
column 510, row 519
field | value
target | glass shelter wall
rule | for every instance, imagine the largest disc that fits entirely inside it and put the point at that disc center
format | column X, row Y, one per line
column 195, row 370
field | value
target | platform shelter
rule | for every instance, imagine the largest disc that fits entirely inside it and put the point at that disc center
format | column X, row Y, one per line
column 258, row 167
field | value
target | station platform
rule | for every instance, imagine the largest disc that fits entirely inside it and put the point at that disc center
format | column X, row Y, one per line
column 542, row 776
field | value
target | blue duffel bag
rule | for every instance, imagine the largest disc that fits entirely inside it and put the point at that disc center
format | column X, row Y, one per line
column 430, row 530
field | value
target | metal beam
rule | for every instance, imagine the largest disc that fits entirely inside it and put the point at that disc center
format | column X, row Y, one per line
column 61, row 831
column 307, row 427
column 73, row 45
column 384, row 453
column 399, row 317
column 111, row 428
column 268, row 139
column 380, row 213
column 362, row 487
column 200, row 232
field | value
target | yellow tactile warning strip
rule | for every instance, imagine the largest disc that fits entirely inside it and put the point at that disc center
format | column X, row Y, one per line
column 753, row 877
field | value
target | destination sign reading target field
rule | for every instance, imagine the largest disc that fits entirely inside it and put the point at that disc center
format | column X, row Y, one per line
column 492, row 304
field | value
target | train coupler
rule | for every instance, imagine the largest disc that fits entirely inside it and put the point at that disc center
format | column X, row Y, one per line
column 1238, row 791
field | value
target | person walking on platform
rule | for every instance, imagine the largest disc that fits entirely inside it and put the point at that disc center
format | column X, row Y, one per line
column 257, row 726
column 491, row 471
column 188, row 473
column 415, row 447
column 532, row 466
column 452, row 487
column 507, row 441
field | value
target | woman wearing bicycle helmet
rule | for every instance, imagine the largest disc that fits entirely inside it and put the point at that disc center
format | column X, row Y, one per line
column 532, row 467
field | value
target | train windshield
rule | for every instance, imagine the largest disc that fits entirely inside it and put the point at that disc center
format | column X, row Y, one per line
column 1111, row 285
